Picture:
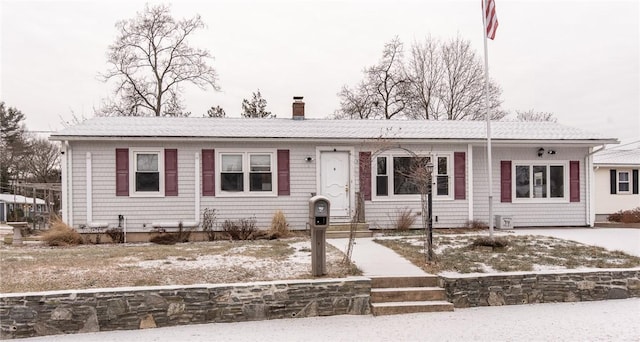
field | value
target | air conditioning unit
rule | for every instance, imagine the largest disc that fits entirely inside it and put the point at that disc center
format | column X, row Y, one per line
column 503, row 222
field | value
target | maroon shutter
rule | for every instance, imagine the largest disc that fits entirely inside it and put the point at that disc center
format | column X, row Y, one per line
column 505, row 181
column 284, row 188
column 459, row 172
column 365, row 175
column 122, row 172
column 574, row 181
column 171, row 172
column 208, row 173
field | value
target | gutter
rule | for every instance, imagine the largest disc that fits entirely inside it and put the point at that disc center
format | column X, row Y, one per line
column 359, row 140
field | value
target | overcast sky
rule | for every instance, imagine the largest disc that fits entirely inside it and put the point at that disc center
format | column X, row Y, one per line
column 577, row 59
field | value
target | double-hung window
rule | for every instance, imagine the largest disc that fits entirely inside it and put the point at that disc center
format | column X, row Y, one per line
column 401, row 175
column 623, row 181
column 247, row 173
column 540, row 181
column 147, row 178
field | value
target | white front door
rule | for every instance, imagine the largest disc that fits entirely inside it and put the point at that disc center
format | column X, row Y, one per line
column 334, row 181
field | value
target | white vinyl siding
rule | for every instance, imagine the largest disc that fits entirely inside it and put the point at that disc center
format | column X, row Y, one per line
column 528, row 213
column 140, row 212
column 607, row 203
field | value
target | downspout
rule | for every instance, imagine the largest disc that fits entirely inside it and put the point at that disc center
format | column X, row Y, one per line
column 88, row 190
column 197, row 189
column 70, row 185
column 470, row 180
column 65, row 173
column 589, row 188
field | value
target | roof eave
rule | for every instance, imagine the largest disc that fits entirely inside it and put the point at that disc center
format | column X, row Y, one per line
column 475, row 141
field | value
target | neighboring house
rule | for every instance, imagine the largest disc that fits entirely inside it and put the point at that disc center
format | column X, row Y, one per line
column 616, row 179
column 9, row 202
column 157, row 172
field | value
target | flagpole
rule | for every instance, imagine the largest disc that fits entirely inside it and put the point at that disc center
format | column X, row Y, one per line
column 488, row 116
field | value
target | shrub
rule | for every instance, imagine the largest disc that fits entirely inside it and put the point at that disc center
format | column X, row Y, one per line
column 626, row 216
column 61, row 234
column 476, row 224
column 404, row 219
column 182, row 235
column 208, row 223
column 242, row 229
column 164, row 239
column 485, row 241
column 116, row 235
column 279, row 225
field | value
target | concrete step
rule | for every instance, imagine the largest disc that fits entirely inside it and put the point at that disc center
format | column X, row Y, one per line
column 410, row 281
column 408, row 294
column 347, row 227
column 345, row 234
column 397, row 308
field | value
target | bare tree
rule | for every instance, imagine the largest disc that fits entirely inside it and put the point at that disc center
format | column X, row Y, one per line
column 463, row 89
column 530, row 115
column 384, row 91
column 150, row 60
column 356, row 103
column 388, row 81
column 441, row 81
column 215, row 112
column 425, row 72
column 256, row 108
column 43, row 163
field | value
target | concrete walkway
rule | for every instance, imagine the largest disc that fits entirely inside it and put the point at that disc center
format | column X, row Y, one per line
column 376, row 260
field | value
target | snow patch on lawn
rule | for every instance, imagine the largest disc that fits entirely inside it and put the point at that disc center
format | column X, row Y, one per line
column 233, row 260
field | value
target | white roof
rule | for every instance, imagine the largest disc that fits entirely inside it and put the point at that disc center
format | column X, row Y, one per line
column 309, row 129
column 627, row 154
column 10, row 198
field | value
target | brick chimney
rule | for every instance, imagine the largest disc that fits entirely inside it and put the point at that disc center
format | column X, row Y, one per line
column 298, row 108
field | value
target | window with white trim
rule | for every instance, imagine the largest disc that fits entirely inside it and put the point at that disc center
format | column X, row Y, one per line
column 624, row 185
column 540, row 181
column 147, row 176
column 396, row 175
column 247, row 173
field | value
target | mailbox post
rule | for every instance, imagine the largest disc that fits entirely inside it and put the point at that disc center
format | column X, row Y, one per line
column 318, row 221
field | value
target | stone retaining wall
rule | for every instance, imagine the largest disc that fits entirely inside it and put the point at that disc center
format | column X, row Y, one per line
column 526, row 288
column 48, row 313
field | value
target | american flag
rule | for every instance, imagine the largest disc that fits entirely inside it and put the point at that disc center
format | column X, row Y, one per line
column 490, row 18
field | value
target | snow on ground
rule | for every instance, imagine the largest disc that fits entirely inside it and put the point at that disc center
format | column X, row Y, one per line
column 626, row 240
column 291, row 267
column 613, row 320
